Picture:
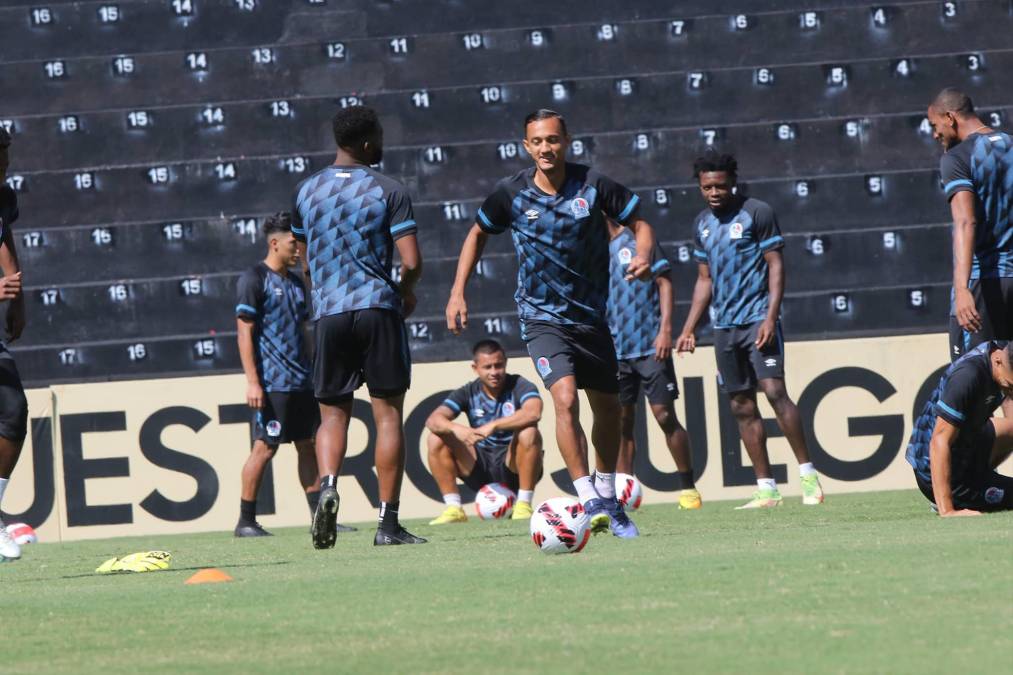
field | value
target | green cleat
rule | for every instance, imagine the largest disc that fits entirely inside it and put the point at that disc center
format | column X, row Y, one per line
column 812, row 491
column 762, row 499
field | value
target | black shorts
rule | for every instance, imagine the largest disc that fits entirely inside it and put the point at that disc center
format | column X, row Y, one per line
column 491, row 467
column 740, row 364
column 581, row 350
column 993, row 298
column 975, row 484
column 13, row 404
column 287, row 417
column 366, row 345
column 655, row 378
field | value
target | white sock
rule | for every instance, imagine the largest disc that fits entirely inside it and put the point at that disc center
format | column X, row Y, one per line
column 605, row 484
column 525, row 495
column 806, row 469
column 452, row 499
column 585, row 489
column 3, row 487
column 766, row 483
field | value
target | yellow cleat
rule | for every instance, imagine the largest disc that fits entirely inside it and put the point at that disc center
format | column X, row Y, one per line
column 522, row 511
column 451, row 514
column 762, row 499
column 690, row 499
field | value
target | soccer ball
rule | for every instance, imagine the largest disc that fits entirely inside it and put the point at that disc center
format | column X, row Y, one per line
column 559, row 525
column 22, row 534
column 494, row 501
column 628, row 491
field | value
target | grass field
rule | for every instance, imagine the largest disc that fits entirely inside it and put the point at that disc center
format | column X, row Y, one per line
column 866, row 583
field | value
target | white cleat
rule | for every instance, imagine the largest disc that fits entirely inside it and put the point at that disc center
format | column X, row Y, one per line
column 9, row 549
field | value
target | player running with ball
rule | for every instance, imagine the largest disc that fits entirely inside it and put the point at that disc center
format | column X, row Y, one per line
column 555, row 212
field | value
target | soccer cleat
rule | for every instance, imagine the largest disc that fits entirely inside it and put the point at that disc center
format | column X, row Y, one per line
column 597, row 514
column 325, row 519
column 9, row 549
column 812, row 491
column 762, row 499
column 620, row 524
column 345, row 528
column 396, row 538
column 690, row 499
column 522, row 511
column 253, row 529
column 451, row 514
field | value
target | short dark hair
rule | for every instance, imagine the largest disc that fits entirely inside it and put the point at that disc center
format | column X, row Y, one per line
column 955, row 101
column 353, row 126
column 277, row 223
column 5, row 138
column 714, row 161
column 544, row 114
column 487, row 346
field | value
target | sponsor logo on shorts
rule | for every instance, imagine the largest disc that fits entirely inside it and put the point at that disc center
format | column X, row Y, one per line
column 532, row 214
column 580, row 208
column 670, row 386
column 273, row 428
column 625, row 255
column 544, row 369
column 770, row 363
column 735, row 231
column 994, row 495
column 508, row 408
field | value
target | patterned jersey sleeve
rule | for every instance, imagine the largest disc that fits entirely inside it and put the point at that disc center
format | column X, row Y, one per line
column 699, row 252
column 459, row 400
column 400, row 214
column 524, row 390
column 617, row 201
column 768, row 232
column 298, row 227
column 494, row 214
column 660, row 264
column 955, row 173
column 250, row 295
column 958, row 395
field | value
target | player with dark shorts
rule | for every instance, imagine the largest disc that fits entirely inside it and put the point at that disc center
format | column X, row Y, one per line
column 957, row 445
column 271, row 312
column 640, row 319
column 13, row 404
column 349, row 219
column 556, row 213
column 500, row 444
column 977, row 174
column 737, row 248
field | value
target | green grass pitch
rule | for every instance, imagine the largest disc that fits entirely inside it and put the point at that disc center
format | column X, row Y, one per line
column 866, row 583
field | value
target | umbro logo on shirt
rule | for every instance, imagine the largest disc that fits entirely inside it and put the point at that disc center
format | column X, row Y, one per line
column 278, row 292
column 532, row 214
column 770, row 363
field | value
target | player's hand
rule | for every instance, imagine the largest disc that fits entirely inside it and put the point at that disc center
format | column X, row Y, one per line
column 639, row 268
column 685, row 343
column 765, row 334
column 408, row 302
column 486, row 430
column 959, row 513
column 15, row 320
column 10, row 286
column 467, row 435
column 255, row 395
column 966, row 311
column 662, row 346
column 457, row 314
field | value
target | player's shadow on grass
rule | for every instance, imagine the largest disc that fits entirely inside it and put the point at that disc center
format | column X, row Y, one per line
column 194, row 568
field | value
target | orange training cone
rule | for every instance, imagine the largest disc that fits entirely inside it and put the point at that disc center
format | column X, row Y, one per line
column 209, row 576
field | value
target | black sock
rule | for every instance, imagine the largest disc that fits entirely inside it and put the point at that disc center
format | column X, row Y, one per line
column 329, row 482
column 248, row 510
column 388, row 516
column 685, row 480
column 313, row 499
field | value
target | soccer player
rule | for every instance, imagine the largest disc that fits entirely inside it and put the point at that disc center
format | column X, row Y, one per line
column 270, row 315
column 640, row 319
column 738, row 252
column 556, row 214
column 500, row 444
column 977, row 174
column 957, row 445
column 349, row 219
column 13, row 404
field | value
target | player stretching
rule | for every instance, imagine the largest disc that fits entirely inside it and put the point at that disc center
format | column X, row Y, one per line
column 501, row 443
column 640, row 318
column 556, row 214
column 738, row 252
column 270, row 315
column 957, row 445
column 977, row 172
column 349, row 219
column 13, row 404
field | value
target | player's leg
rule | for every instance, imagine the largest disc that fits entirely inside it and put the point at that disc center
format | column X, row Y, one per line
column 997, row 489
column 449, row 459
column 13, row 431
column 1002, row 447
column 524, row 459
column 662, row 390
column 629, row 392
column 790, row 422
column 253, row 474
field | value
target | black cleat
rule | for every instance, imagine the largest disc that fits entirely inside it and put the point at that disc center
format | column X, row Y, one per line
column 397, row 537
column 325, row 519
column 345, row 528
column 253, row 529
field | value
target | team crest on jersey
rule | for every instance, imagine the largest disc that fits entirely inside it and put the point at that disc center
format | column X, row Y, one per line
column 274, row 428
column 580, row 207
column 994, row 495
column 508, row 409
column 735, row 231
column 532, row 214
column 625, row 255
column 544, row 369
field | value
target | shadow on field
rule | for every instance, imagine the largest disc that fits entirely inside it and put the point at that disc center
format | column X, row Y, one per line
column 174, row 570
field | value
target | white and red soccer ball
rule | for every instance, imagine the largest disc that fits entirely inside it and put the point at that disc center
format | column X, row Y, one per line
column 494, row 501
column 559, row 525
column 629, row 491
column 22, row 534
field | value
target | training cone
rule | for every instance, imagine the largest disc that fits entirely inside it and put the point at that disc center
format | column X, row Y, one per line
column 209, row 576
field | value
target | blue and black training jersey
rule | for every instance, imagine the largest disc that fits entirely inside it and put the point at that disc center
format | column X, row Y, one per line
column 276, row 304
column 8, row 208
column 733, row 244
column 983, row 164
column 561, row 241
column 634, row 308
column 480, row 408
column 349, row 217
column 966, row 397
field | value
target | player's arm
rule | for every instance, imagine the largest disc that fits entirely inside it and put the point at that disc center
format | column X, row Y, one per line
column 940, row 448
column 775, row 293
column 528, row 416
column 964, row 224
column 471, row 253
column 640, row 265
column 701, row 299
column 411, row 270
column 245, row 327
column 441, row 422
column 10, row 285
column 666, row 297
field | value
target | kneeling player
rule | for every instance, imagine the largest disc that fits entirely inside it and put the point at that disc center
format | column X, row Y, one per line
column 957, row 445
column 502, row 443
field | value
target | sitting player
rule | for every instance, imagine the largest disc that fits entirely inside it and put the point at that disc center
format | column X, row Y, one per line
column 502, row 443
column 957, row 445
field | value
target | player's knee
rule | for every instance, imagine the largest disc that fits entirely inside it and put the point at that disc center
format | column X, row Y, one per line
column 14, row 422
column 435, row 445
column 565, row 402
column 743, row 406
column 777, row 395
column 627, row 421
column 666, row 419
column 530, row 438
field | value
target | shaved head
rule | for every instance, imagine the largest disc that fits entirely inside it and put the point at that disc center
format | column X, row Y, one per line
column 954, row 101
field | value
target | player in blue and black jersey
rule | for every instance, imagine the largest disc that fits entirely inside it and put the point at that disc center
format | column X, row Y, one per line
column 640, row 319
column 977, row 174
column 350, row 218
column 555, row 212
column 500, row 443
column 957, row 445
column 737, row 248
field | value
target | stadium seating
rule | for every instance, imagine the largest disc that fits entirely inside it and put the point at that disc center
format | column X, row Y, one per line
column 153, row 136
